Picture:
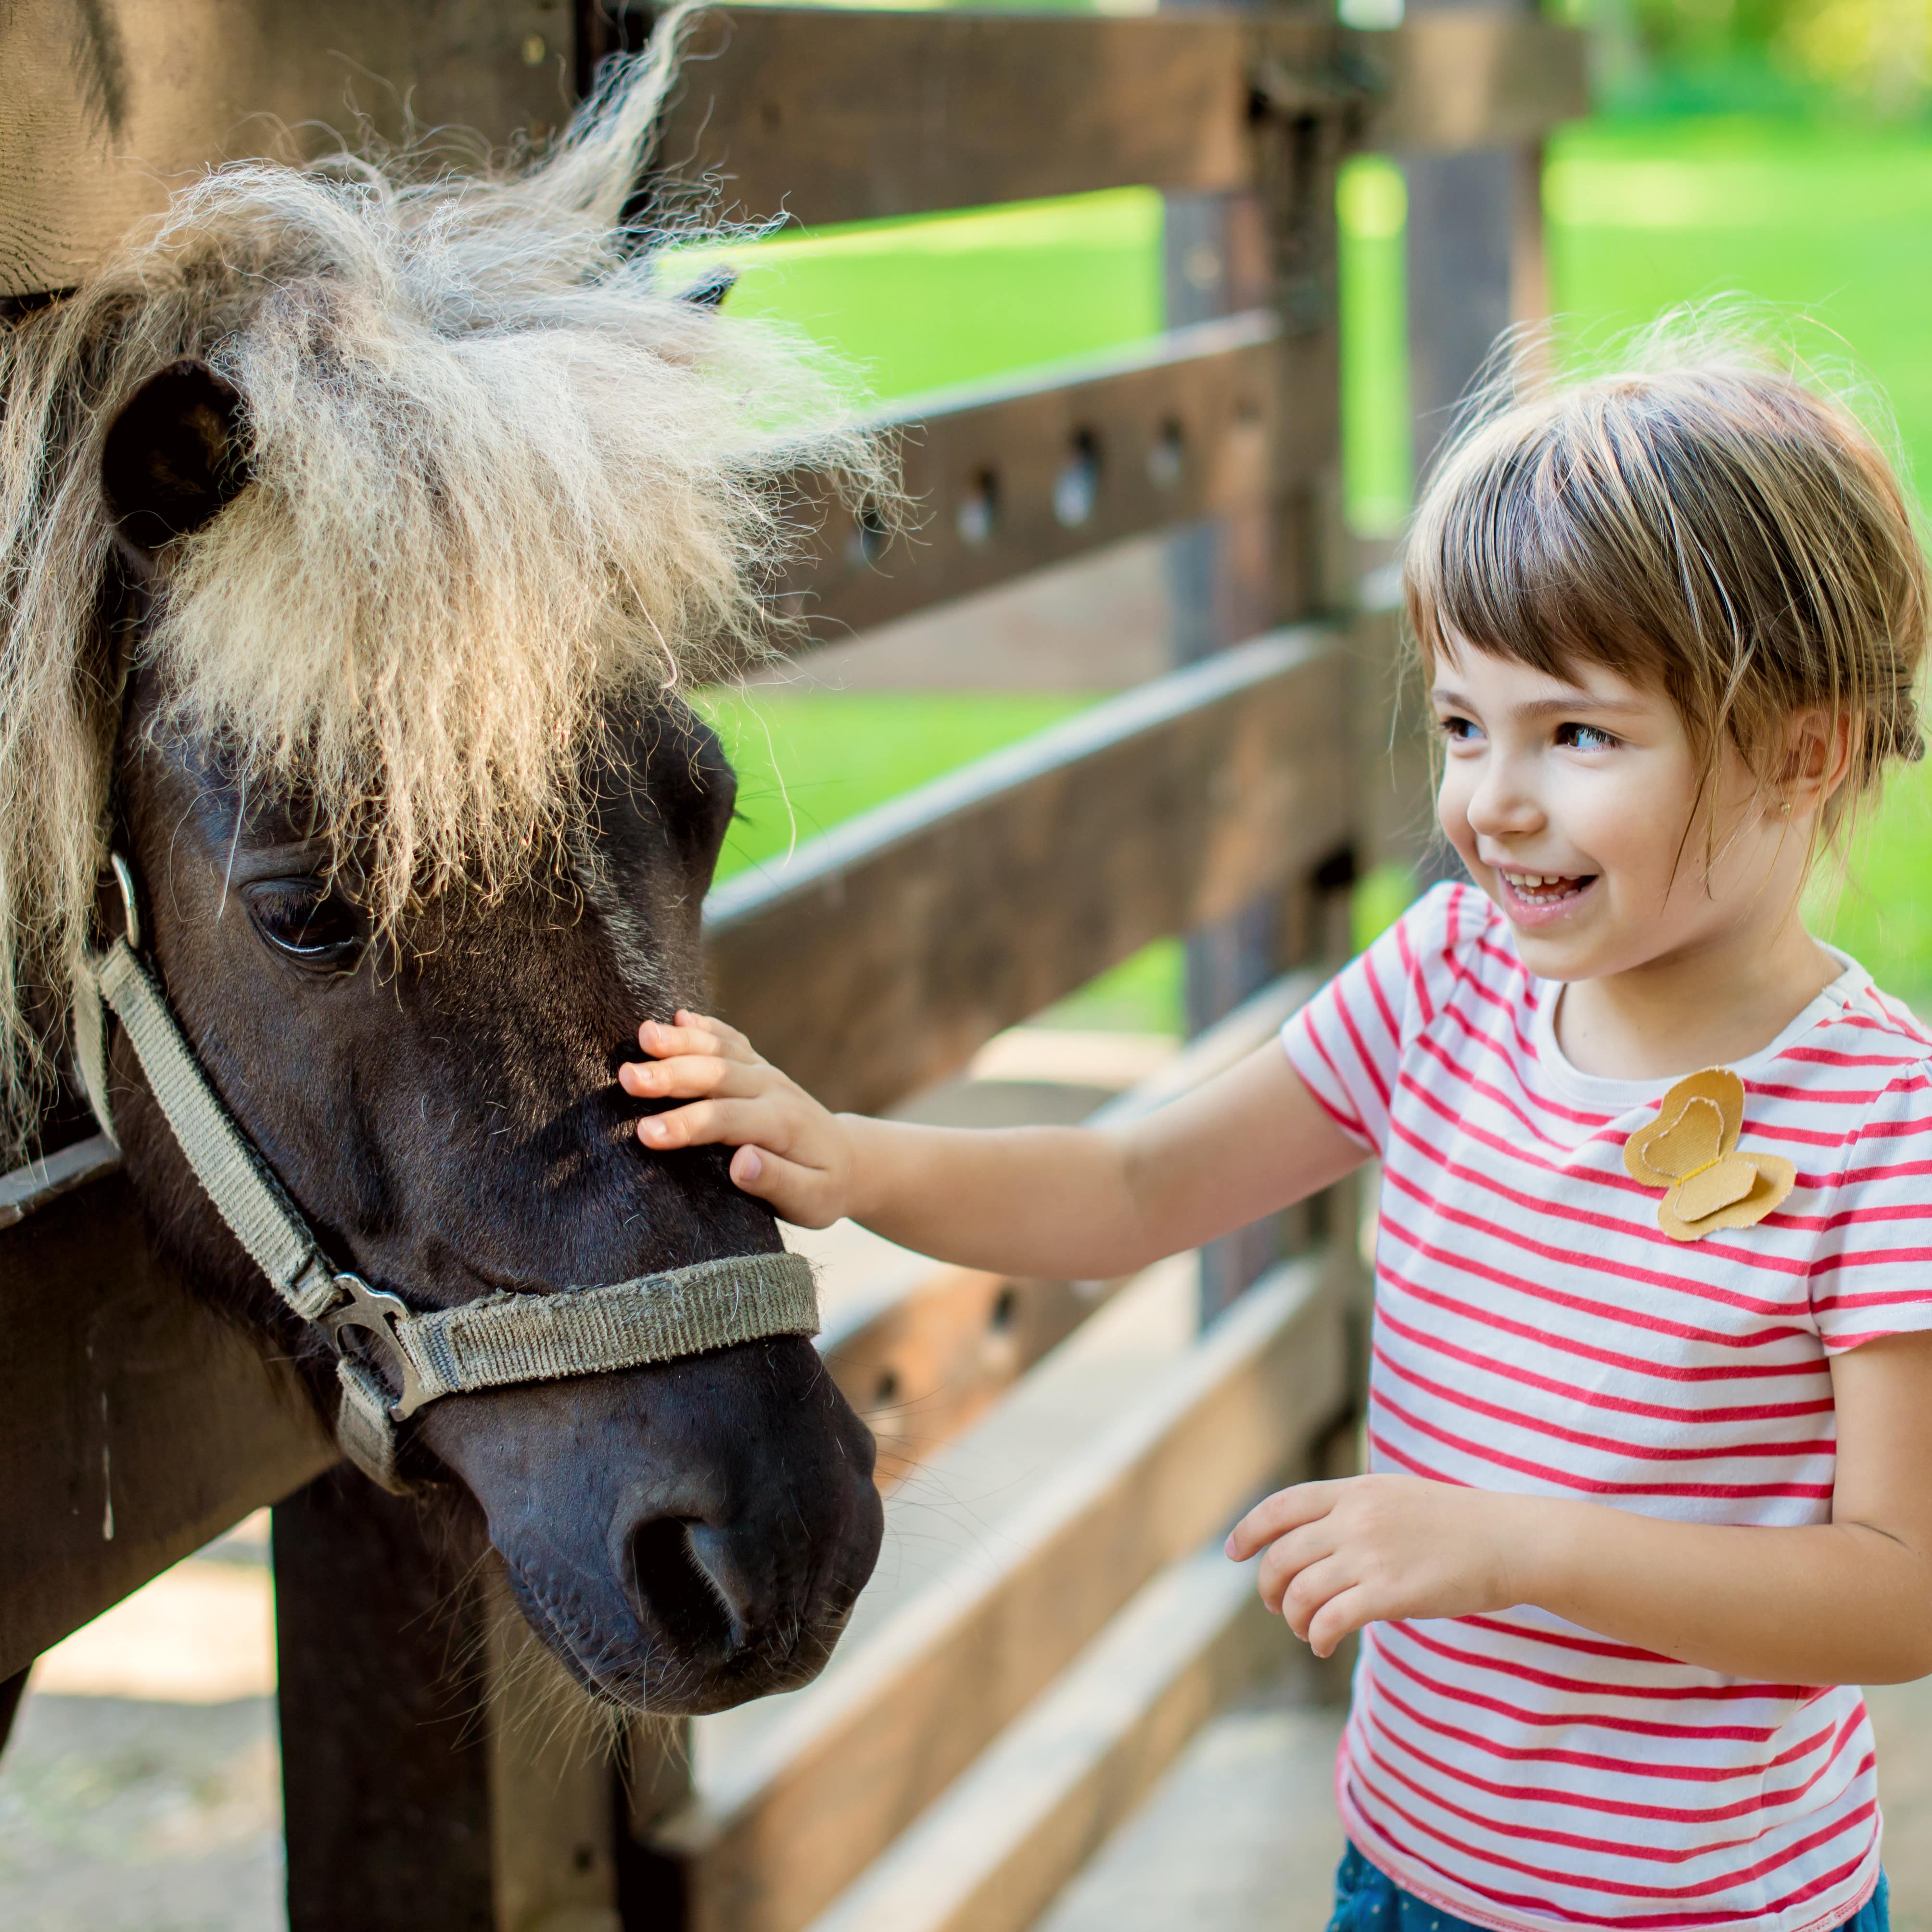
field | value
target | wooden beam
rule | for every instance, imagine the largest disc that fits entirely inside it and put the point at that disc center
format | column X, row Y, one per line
column 991, row 1856
column 830, row 116
column 105, row 107
column 135, row 1424
column 863, row 1753
column 386, row 1750
column 888, row 950
column 1011, row 475
column 929, row 1365
column 825, row 115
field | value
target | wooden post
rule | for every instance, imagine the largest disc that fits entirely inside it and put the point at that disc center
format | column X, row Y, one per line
column 1475, row 265
column 1231, row 575
column 439, row 1768
column 386, row 1780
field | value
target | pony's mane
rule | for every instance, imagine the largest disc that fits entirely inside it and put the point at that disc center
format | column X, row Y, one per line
column 505, row 482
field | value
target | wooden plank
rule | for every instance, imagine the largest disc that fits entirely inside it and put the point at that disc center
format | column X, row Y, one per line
column 824, row 116
column 135, row 1424
column 925, row 1367
column 104, row 105
column 992, row 1854
column 862, row 1754
column 1011, row 475
column 31, row 1187
column 891, row 947
column 830, row 116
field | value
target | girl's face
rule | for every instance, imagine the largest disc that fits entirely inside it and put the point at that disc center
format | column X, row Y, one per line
column 1575, row 805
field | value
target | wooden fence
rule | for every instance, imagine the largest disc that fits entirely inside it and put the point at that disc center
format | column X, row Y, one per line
column 957, row 1768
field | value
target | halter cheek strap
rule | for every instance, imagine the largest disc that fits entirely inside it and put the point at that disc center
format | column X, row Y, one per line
column 495, row 1342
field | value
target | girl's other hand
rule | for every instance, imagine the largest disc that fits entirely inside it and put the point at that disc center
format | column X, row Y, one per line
column 1368, row 1549
column 790, row 1151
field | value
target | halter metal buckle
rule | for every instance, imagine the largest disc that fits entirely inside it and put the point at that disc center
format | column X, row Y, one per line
column 374, row 1311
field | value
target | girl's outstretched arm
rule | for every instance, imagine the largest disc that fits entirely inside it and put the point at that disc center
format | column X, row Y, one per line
column 1845, row 1602
column 1075, row 1203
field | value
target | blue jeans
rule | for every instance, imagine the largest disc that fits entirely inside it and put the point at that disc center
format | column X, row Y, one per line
column 1366, row 1900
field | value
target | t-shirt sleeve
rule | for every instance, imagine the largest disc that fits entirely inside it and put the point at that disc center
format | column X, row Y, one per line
column 1873, row 1274
column 1346, row 1043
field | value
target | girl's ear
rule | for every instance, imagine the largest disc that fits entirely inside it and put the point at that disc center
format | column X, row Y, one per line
column 176, row 453
column 1818, row 750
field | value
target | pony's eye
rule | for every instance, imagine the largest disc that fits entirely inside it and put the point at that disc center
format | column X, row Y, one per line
column 304, row 921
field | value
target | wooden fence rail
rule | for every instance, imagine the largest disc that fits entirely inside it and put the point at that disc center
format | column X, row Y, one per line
column 885, row 952
column 1010, row 476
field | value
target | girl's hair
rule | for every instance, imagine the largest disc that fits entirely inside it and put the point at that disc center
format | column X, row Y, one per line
column 1699, row 518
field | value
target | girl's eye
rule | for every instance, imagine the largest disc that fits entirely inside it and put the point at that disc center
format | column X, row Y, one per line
column 1457, row 730
column 304, row 921
column 1584, row 737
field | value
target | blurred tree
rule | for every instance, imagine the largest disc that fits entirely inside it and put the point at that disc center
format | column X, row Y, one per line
column 1869, row 57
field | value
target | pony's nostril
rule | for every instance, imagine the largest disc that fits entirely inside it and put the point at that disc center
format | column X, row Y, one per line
column 675, row 1592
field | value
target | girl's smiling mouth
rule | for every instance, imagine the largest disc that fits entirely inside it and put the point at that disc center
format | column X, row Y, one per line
column 1536, row 898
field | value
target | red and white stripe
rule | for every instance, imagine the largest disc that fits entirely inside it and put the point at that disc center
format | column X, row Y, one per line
column 1536, row 1331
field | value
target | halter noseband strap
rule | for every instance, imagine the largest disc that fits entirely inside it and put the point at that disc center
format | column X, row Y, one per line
column 494, row 1343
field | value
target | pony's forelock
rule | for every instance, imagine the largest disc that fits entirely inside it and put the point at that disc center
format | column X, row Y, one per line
column 505, row 484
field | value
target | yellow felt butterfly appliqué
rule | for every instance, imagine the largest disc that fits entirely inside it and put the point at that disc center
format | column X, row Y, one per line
column 1691, row 1149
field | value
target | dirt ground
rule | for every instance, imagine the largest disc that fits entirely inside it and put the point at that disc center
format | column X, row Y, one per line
column 118, row 1815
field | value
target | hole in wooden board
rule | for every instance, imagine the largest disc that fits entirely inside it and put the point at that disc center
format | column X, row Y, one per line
column 886, row 1389
column 770, row 114
column 1167, row 457
column 1247, row 411
column 1006, row 1309
column 979, row 513
column 1077, row 489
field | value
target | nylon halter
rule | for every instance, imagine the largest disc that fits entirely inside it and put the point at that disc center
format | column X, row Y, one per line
column 403, row 1359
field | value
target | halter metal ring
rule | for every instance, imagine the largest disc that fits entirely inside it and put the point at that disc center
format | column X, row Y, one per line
column 374, row 1311
column 130, row 901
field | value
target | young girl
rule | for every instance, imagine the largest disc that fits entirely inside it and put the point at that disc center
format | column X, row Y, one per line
column 1650, row 1421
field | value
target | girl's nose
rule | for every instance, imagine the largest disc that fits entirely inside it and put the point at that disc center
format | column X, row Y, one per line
column 1502, row 806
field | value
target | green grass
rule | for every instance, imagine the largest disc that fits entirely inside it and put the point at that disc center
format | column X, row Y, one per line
column 918, row 305
column 807, row 760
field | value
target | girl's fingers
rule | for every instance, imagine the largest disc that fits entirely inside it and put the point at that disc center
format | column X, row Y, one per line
column 1293, row 1553
column 1275, row 1516
column 1346, row 1611
column 1298, row 1597
column 794, row 1191
column 730, row 1041
column 700, row 1037
column 707, row 1124
column 691, row 1076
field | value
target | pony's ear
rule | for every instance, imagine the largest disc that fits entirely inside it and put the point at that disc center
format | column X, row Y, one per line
column 175, row 454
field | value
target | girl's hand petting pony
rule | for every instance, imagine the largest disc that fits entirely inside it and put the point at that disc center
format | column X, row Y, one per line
column 790, row 1151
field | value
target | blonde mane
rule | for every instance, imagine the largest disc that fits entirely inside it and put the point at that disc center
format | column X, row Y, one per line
column 504, row 482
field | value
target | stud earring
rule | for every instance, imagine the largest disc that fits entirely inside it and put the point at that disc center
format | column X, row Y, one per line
column 1784, row 810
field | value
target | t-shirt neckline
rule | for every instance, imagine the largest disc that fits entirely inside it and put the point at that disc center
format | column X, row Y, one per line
column 1601, row 1091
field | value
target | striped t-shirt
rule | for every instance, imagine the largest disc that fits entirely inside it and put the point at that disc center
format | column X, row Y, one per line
column 1536, row 1331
